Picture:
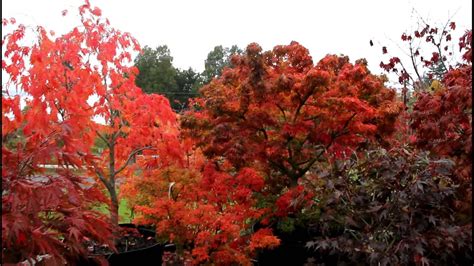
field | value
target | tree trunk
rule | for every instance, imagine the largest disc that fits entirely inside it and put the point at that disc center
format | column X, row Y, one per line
column 114, row 206
column 113, row 193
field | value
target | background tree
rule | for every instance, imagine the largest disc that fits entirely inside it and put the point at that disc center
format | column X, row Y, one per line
column 156, row 71
column 217, row 59
column 188, row 83
column 158, row 75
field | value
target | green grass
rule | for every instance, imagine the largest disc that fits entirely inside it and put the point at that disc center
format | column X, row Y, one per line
column 125, row 213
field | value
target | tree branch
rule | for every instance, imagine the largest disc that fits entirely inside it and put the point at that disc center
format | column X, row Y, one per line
column 103, row 138
column 133, row 153
column 346, row 124
column 302, row 103
column 102, row 178
column 282, row 111
column 412, row 57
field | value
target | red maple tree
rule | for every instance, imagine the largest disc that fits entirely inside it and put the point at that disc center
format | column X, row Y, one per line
column 46, row 215
column 207, row 212
column 443, row 120
column 78, row 88
column 279, row 112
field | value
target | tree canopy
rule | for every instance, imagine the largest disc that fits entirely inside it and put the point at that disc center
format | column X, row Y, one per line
column 217, row 60
column 276, row 150
column 158, row 75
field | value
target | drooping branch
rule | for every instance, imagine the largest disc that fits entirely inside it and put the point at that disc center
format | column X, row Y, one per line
column 281, row 110
column 438, row 45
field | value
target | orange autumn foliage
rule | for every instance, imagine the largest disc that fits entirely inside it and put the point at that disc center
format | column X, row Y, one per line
column 208, row 212
column 77, row 88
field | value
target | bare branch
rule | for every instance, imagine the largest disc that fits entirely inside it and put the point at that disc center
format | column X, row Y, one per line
column 415, row 67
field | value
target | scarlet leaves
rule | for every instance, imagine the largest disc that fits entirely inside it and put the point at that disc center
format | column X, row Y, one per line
column 70, row 81
column 84, row 76
column 263, row 125
column 292, row 201
column 211, row 212
column 443, row 120
column 283, row 107
column 47, row 215
column 263, row 238
column 452, row 25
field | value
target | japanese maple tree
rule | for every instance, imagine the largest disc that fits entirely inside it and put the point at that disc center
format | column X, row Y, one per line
column 207, row 213
column 443, row 120
column 262, row 126
column 69, row 84
column 46, row 215
column 282, row 114
column 134, row 122
column 429, row 55
column 86, row 74
column 390, row 207
column 442, row 123
column 413, row 202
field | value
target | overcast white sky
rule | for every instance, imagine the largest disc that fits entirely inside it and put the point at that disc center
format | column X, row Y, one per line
column 192, row 28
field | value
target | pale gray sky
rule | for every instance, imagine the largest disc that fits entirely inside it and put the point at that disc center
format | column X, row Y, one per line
column 192, row 28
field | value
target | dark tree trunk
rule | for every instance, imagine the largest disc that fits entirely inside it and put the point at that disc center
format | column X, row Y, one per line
column 114, row 206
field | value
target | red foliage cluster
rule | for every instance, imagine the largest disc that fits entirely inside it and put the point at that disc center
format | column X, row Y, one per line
column 407, row 205
column 275, row 110
column 443, row 120
column 49, row 216
column 292, row 201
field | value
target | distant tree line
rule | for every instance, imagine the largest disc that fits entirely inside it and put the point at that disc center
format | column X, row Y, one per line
column 158, row 75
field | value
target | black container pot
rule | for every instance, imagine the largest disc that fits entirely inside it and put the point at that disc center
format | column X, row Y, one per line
column 151, row 255
column 144, row 230
column 145, row 256
column 292, row 250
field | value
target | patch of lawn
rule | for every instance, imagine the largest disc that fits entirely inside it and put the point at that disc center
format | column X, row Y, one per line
column 125, row 213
